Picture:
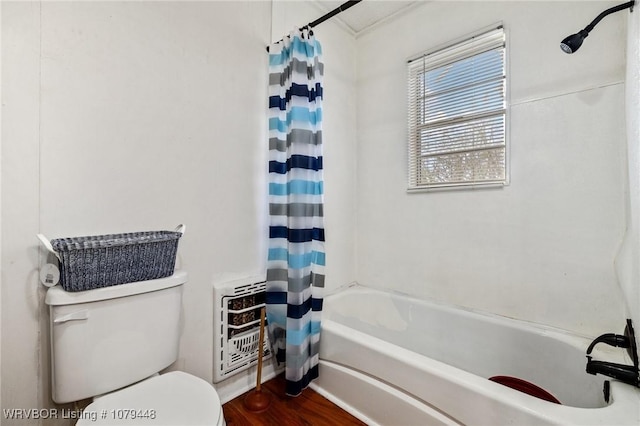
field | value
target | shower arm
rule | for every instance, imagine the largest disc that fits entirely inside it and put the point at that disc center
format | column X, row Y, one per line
column 609, row 11
column 334, row 12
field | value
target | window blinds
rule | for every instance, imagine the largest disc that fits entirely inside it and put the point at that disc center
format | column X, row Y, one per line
column 457, row 114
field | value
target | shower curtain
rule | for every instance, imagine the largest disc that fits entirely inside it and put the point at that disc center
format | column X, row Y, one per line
column 296, row 258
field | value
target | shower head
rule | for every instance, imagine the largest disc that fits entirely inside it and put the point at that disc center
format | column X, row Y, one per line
column 573, row 42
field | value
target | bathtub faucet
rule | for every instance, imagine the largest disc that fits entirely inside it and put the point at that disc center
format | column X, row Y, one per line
column 625, row 373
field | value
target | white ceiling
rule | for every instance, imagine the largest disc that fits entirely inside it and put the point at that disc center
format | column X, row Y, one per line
column 366, row 13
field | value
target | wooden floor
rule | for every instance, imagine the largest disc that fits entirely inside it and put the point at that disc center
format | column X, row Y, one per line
column 307, row 409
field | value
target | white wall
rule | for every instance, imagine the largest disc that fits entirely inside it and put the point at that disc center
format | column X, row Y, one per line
column 20, row 369
column 628, row 261
column 543, row 248
column 126, row 116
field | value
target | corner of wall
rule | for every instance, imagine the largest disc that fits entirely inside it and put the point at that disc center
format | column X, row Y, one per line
column 628, row 258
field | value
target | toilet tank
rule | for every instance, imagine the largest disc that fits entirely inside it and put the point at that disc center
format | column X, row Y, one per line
column 111, row 337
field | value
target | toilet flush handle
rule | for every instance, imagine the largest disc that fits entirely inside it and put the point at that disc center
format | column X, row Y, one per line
column 73, row 316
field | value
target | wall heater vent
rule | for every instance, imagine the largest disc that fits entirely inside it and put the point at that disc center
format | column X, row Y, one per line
column 237, row 326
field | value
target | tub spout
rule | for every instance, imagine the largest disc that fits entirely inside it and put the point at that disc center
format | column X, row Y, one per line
column 625, row 373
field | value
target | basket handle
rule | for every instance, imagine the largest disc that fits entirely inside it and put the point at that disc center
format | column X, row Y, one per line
column 47, row 244
column 181, row 228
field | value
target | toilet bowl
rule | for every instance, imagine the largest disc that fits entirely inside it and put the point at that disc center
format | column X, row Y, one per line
column 175, row 398
column 110, row 343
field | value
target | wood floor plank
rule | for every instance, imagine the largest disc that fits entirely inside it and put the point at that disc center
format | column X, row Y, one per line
column 310, row 408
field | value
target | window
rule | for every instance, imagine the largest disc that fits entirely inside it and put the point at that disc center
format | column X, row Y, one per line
column 457, row 114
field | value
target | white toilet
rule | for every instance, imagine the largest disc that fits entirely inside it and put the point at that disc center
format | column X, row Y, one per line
column 110, row 343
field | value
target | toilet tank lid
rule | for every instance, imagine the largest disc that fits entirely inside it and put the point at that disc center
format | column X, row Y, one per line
column 58, row 296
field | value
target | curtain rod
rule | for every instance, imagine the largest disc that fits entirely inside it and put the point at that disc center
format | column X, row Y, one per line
column 334, row 12
column 331, row 14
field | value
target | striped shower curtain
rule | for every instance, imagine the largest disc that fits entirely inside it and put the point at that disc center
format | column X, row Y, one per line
column 296, row 259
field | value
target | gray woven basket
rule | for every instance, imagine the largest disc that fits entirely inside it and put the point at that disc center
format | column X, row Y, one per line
column 106, row 260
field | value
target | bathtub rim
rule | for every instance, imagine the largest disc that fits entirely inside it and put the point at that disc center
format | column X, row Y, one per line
column 574, row 338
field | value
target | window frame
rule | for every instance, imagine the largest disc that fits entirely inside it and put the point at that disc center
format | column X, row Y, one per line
column 472, row 45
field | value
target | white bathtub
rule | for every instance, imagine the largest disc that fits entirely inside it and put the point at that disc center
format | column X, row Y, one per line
column 390, row 359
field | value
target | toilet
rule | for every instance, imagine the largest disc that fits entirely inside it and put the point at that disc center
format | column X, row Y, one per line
column 110, row 343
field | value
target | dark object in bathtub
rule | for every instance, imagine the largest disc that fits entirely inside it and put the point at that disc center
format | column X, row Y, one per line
column 629, row 374
column 606, row 390
column 526, row 387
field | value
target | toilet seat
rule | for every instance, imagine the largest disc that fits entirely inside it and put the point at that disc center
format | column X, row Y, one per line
column 170, row 399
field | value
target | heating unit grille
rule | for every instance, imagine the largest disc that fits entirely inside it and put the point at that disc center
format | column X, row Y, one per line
column 237, row 307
